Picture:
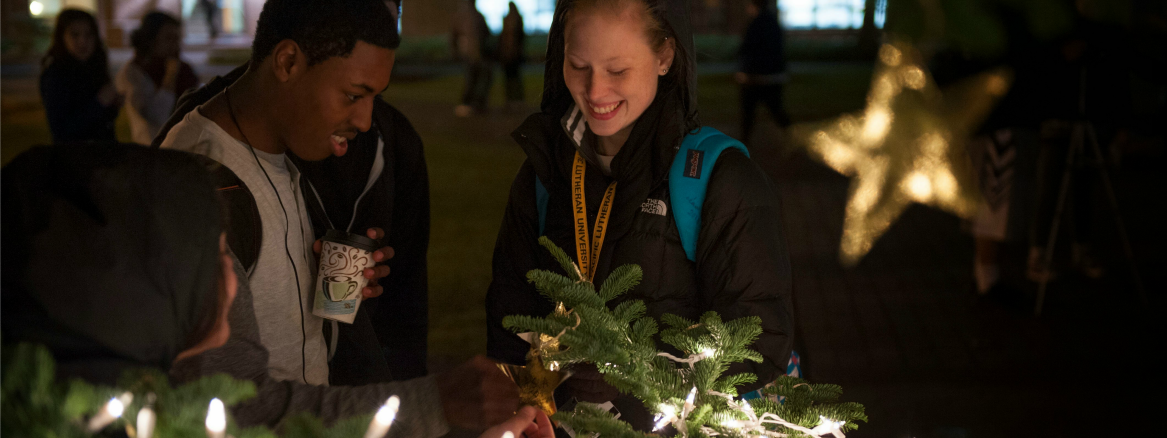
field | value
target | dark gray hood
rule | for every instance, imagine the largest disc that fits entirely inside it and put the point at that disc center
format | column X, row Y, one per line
column 110, row 255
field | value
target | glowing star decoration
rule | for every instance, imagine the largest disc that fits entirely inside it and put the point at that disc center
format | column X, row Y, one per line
column 905, row 147
column 538, row 379
column 536, row 382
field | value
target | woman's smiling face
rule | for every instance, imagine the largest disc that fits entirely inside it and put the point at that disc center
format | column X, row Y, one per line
column 610, row 66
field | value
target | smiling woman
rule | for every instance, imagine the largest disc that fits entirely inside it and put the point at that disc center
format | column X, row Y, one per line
column 613, row 81
column 617, row 105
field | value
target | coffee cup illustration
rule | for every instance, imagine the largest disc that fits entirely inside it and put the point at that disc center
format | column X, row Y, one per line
column 339, row 288
column 340, row 276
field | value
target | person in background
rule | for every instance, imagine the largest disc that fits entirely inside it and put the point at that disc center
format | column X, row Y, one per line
column 470, row 39
column 1003, row 151
column 511, row 44
column 84, row 228
column 155, row 77
column 80, row 101
column 763, row 66
column 210, row 14
column 1086, row 79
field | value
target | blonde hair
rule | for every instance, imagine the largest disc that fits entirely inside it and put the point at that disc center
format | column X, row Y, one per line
column 657, row 34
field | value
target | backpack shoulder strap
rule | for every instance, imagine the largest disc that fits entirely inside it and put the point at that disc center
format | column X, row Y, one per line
column 244, row 226
column 541, row 197
column 689, row 178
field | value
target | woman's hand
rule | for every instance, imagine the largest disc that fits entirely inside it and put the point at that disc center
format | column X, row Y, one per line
column 529, row 422
column 108, row 96
column 170, row 78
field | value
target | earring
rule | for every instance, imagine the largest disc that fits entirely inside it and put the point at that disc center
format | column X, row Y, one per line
column 664, row 71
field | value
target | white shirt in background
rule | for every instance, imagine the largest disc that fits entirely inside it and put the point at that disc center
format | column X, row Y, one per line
column 147, row 107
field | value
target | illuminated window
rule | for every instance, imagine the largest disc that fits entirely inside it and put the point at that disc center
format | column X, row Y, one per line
column 827, row 14
column 537, row 14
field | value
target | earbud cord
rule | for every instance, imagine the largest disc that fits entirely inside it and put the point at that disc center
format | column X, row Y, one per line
column 287, row 226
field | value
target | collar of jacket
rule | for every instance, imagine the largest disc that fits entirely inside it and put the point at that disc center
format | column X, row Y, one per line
column 550, row 140
column 651, row 145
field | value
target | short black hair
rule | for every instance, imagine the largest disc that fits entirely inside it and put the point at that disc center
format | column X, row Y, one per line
column 146, row 35
column 323, row 28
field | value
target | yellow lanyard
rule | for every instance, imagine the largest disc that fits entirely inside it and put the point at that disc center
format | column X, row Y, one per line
column 588, row 253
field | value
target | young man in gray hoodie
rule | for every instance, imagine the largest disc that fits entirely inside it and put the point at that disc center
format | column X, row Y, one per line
column 316, row 68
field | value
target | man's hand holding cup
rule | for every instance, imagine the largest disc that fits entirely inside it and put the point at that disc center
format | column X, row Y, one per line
column 350, row 267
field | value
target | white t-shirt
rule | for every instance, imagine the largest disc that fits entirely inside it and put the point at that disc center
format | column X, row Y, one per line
column 147, row 107
column 283, row 278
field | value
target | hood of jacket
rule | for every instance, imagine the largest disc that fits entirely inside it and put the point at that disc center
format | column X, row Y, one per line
column 110, row 255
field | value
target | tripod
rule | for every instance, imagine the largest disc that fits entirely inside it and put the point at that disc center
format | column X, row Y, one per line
column 1083, row 132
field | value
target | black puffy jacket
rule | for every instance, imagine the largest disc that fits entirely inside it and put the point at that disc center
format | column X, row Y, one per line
column 741, row 269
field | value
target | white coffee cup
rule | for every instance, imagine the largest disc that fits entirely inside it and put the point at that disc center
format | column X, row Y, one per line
column 340, row 277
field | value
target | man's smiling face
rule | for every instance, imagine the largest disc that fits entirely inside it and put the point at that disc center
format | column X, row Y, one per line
column 330, row 102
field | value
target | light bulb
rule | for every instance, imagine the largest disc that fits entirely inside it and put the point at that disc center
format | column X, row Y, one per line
column 508, row 434
column 112, row 410
column 667, row 409
column 692, row 396
column 115, row 407
column 384, row 418
column 827, row 425
column 708, row 352
column 36, row 7
column 667, row 413
column 216, row 417
column 388, row 412
column 146, row 421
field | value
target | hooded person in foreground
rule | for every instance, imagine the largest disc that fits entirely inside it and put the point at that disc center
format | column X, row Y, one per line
column 114, row 257
column 618, row 101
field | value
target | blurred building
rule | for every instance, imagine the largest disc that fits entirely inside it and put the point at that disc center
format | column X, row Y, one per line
column 118, row 17
column 237, row 18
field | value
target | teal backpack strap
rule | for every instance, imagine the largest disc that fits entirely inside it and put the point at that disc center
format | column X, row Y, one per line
column 541, row 197
column 689, row 177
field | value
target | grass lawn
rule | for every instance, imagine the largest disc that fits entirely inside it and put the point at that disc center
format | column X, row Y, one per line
column 471, row 165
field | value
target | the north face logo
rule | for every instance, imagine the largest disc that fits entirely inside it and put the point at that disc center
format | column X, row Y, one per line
column 654, row 206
